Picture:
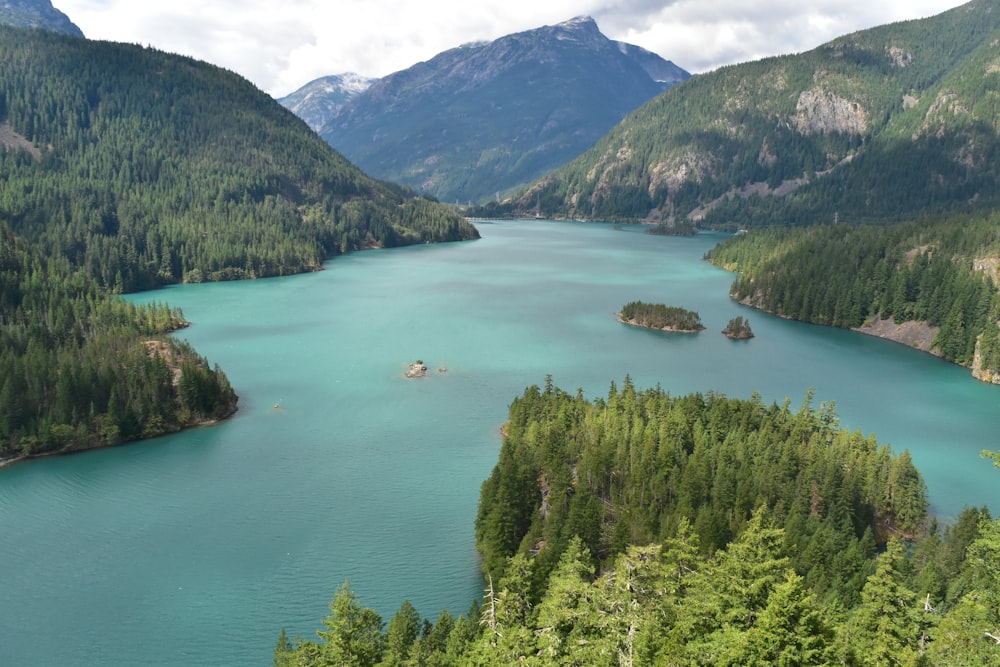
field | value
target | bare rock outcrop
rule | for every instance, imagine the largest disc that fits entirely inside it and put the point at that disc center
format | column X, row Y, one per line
column 820, row 112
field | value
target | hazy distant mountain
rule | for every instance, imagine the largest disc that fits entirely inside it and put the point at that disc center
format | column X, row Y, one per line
column 887, row 123
column 319, row 100
column 483, row 118
column 37, row 14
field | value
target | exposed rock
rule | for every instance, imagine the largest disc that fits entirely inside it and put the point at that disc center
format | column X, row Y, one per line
column 988, row 265
column 418, row 369
column 13, row 141
column 980, row 373
column 918, row 335
column 820, row 112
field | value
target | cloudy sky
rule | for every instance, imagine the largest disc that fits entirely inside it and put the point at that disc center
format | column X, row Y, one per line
column 282, row 45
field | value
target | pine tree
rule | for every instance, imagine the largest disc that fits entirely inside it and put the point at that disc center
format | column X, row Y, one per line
column 354, row 633
column 885, row 630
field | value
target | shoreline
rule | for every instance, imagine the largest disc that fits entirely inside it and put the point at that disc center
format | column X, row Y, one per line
column 916, row 335
column 203, row 423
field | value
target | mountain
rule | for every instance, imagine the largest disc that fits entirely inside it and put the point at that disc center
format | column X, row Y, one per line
column 883, row 124
column 484, row 118
column 144, row 168
column 37, row 14
column 125, row 168
column 320, row 99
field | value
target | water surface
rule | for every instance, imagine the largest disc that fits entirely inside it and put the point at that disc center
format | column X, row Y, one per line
column 197, row 548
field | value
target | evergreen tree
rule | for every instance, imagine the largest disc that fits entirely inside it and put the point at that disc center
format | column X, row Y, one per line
column 353, row 635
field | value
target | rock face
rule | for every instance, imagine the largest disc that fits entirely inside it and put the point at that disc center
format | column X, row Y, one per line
column 475, row 121
column 819, row 112
column 980, row 373
column 37, row 14
column 918, row 335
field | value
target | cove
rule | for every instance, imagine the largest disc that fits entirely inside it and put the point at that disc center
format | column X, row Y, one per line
column 197, row 548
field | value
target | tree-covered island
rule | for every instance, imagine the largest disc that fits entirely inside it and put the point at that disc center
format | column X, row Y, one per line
column 738, row 328
column 660, row 316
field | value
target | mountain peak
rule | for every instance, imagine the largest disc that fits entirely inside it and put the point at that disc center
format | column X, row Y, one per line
column 582, row 21
column 37, row 14
column 321, row 98
column 483, row 118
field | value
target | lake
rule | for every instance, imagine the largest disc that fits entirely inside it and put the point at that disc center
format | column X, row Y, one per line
column 197, row 548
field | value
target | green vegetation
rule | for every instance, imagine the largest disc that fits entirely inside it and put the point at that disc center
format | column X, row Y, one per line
column 80, row 369
column 886, row 124
column 125, row 168
column 146, row 168
column 942, row 273
column 738, row 328
column 643, row 529
column 660, row 316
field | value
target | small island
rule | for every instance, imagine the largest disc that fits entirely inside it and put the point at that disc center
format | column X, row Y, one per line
column 738, row 329
column 660, row 316
column 418, row 369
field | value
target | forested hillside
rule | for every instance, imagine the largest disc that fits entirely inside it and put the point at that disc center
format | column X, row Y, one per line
column 81, row 369
column 147, row 168
column 941, row 273
column 644, row 529
column 884, row 124
column 123, row 168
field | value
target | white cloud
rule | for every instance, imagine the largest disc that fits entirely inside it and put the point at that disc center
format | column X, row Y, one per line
column 281, row 46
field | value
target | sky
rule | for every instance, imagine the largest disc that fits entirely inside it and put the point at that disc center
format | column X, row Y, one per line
column 282, row 45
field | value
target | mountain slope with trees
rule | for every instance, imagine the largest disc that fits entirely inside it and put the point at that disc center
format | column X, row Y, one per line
column 484, row 118
column 940, row 274
column 124, row 168
column 883, row 124
column 149, row 168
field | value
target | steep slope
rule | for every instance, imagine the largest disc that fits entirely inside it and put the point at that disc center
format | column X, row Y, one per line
column 320, row 99
column 37, row 14
column 148, row 168
column 882, row 124
column 484, row 118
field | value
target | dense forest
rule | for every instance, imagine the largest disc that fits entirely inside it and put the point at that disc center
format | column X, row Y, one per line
column 942, row 272
column 146, row 168
column 645, row 529
column 886, row 124
column 80, row 368
column 125, row 168
column 660, row 316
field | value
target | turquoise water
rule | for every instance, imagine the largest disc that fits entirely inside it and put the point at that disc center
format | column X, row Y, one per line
column 196, row 549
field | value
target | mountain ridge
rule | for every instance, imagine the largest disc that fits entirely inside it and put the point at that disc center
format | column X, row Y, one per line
column 485, row 117
column 322, row 98
column 880, row 124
